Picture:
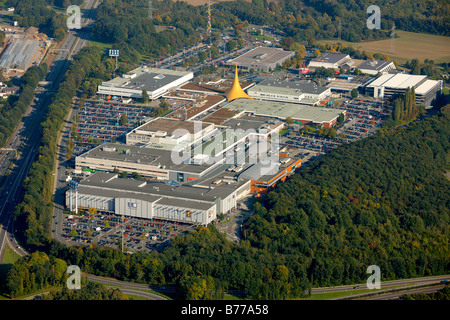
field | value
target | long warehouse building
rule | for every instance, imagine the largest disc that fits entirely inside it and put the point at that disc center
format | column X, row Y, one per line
column 151, row 199
column 156, row 82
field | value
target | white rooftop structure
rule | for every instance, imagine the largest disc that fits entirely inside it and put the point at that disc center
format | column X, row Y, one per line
column 387, row 85
column 155, row 81
column 399, row 80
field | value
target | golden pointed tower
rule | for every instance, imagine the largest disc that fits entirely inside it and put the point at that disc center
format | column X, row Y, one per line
column 236, row 91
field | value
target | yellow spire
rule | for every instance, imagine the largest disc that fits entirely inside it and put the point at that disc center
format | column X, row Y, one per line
column 236, row 91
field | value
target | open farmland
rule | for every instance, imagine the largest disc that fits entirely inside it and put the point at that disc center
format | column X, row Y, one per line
column 407, row 46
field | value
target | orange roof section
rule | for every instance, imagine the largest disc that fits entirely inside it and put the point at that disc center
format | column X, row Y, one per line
column 236, row 91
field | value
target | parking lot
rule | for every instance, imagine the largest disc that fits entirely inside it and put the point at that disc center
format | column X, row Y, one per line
column 100, row 122
column 106, row 230
column 316, row 144
column 364, row 118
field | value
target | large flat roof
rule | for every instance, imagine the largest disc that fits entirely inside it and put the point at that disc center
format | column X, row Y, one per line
column 426, row 86
column 221, row 86
column 330, row 57
column 145, row 156
column 170, row 125
column 398, row 81
column 375, row 65
column 284, row 110
column 19, row 54
column 146, row 78
column 110, row 185
column 262, row 55
column 288, row 87
column 220, row 116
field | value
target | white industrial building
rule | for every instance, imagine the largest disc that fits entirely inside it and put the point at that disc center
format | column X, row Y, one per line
column 374, row 67
column 150, row 199
column 155, row 81
column 166, row 133
column 262, row 59
column 329, row 60
column 304, row 92
column 385, row 86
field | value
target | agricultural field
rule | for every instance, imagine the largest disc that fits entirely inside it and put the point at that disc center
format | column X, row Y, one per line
column 407, row 46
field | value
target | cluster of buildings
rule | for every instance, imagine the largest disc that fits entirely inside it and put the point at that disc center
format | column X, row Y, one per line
column 383, row 80
column 22, row 48
column 202, row 159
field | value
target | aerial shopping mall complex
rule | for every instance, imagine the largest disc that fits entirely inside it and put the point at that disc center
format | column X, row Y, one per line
column 221, row 146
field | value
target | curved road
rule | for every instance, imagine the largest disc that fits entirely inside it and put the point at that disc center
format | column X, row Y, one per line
column 133, row 288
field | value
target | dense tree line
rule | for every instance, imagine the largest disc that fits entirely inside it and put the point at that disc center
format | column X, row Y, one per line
column 12, row 109
column 35, row 272
column 90, row 291
column 382, row 200
column 405, row 108
column 38, row 13
column 126, row 25
column 33, row 214
column 317, row 19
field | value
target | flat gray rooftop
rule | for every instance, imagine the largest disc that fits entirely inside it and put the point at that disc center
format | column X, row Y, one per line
column 146, row 78
column 374, row 64
column 19, row 54
column 288, row 87
column 283, row 110
column 262, row 55
column 110, row 185
column 134, row 154
column 330, row 57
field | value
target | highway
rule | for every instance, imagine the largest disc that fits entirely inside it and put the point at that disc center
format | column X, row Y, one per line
column 130, row 287
column 27, row 134
column 385, row 284
column 396, row 295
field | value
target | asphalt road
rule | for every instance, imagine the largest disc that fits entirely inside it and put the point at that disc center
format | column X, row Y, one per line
column 396, row 295
column 385, row 284
column 130, row 287
column 27, row 134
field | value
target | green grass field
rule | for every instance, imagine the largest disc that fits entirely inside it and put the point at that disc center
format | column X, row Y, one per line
column 8, row 259
column 407, row 46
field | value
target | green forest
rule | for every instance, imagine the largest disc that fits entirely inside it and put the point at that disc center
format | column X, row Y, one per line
column 13, row 108
column 125, row 23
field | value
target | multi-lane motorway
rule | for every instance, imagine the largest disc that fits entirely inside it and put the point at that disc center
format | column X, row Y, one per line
column 27, row 134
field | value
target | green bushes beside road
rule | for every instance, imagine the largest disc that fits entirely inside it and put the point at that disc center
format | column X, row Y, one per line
column 13, row 109
column 33, row 214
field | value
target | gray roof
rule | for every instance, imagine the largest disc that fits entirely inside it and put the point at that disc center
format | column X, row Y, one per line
column 284, row 110
column 262, row 55
column 289, row 87
column 374, row 65
column 142, row 155
column 109, row 185
column 19, row 54
column 146, row 78
column 330, row 57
